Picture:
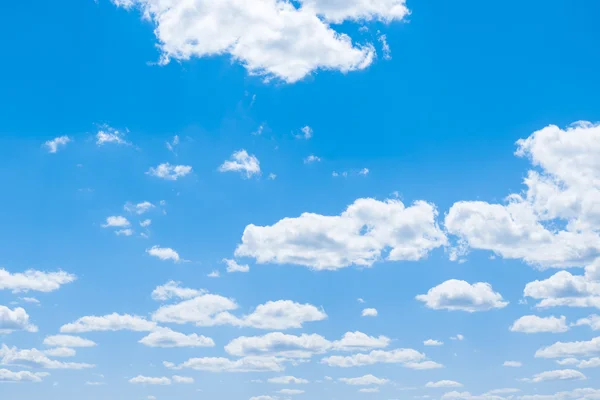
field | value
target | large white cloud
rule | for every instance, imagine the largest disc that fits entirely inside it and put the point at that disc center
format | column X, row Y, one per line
column 535, row 324
column 555, row 222
column 361, row 235
column 15, row 320
column 165, row 337
column 34, row 280
column 111, row 322
column 21, row 376
column 35, row 358
column 460, row 295
column 570, row 349
column 272, row 38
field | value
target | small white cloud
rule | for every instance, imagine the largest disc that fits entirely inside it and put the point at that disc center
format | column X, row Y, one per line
column 385, row 47
column 124, row 232
column 113, row 322
column 139, row 208
column 365, row 380
column 214, row 274
column 145, row 223
column 460, row 295
column 443, row 384
column 311, row 159
column 242, row 162
column 172, row 289
column 364, row 171
column 167, row 338
column 535, row 324
column 369, row 390
column 30, row 300
column 290, row 392
column 21, row 376
column 512, row 364
column 164, row 253
column 369, row 312
column 307, row 133
column 233, row 266
column 34, row 280
column 116, row 222
column 433, row 342
column 170, row 172
column 55, row 144
column 173, row 143
column 15, row 320
column 286, row 380
column 147, row 380
column 61, row 352
column 272, row 176
column 561, row 374
column 457, row 337
column 110, row 135
column 182, row 379
column 360, row 300
column 67, row 341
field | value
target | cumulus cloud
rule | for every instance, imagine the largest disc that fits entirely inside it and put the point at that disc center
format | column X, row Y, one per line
column 116, row 221
column 555, row 222
column 286, row 380
column 406, row 357
column 21, row 376
column 182, row 379
column 358, row 236
column 172, row 290
column 311, row 159
column 139, row 208
column 165, row 337
column 242, row 162
column 273, row 39
column 169, row 172
column 513, row 364
column 570, row 349
column 365, row 380
column 233, row 266
column 67, row 341
column 593, row 321
column 369, row 312
column 106, row 134
column 35, row 358
column 221, row 364
column 460, row 295
column 578, row 394
column 280, row 344
column 147, row 380
column 60, row 352
column 357, row 341
column 433, row 342
column 164, row 253
column 112, row 322
column 535, row 324
column 15, row 320
column 55, row 144
column 560, row 374
column 34, row 280
column 443, row 384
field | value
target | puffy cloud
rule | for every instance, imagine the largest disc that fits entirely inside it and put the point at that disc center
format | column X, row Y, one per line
column 106, row 134
column 272, row 38
column 407, row 357
column 286, row 380
column 145, row 223
column 579, row 394
column 147, row 380
column 311, row 159
column 458, row 337
column 593, row 321
column 443, row 384
column 535, row 324
column 21, row 376
column 280, row 344
column 307, row 132
column 369, row 312
column 221, row 364
column 555, row 222
column 433, row 342
column 356, row 341
column 369, row 390
column 116, row 221
column 591, row 363
column 67, row 341
column 139, row 208
column 164, row 253
column 57, row 143
column 15, row 320
column 124, row 232
column 560, row 374
column 242, row 162
column 460, row 295
column 513, row 364
column 34, row 280
column 165, row 337
column 570, row 349
column 172, row 290
column 30, row 300
column 112, row 322
column 169, row 172
column 233, row 266
column 35, row 358
column 364, row 380
column 283, row 314
column 60, row 352
column 182, row 379
column 358, row 236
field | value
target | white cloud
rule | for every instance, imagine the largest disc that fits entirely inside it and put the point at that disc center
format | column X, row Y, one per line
column 233, row 266
column 286, row 380
column 269, row 38
column 369, row 312
column 35, row 358
column 535, row 324
column 278, row 344
column 311, row 159
column 570, row 349
column 182, row 379
column 357, row 341
column 593, row 321
column 165, row 337
column 369, row 390
column 290, row 391
column 57, row 143
column 460, row 295
column 220, row 364
column 263, row 398
column 242, row 162
column 91, row 383
column 172, row 290
column 112, row 322
column 307, row 132
column 173, row 144
column 67, row 341
column 145, row 223
column 443, row 384
column 555, row 222
column 164, row 253
column 147, row 380
column 385, row 47
column 433, row 342
column 34, row 280
column 124, row 232
column 457, row 337
column 169, row 172
column 21, row 376
column 30, row 300
column 139, row 208
column 365, row 380
column 407, row 357
column 214, row 274
column 359, row 236
column 513, row 364
column 204, row 310
column 110, row 135
column 578, row 394
column 60, row 352
column 364, row 171
column 560, row 374
column 502, row 391
column 283, row 314
column 116, row 221
column 15, row 320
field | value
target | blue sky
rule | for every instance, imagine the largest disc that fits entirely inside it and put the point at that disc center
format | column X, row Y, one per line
column 435, row 164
